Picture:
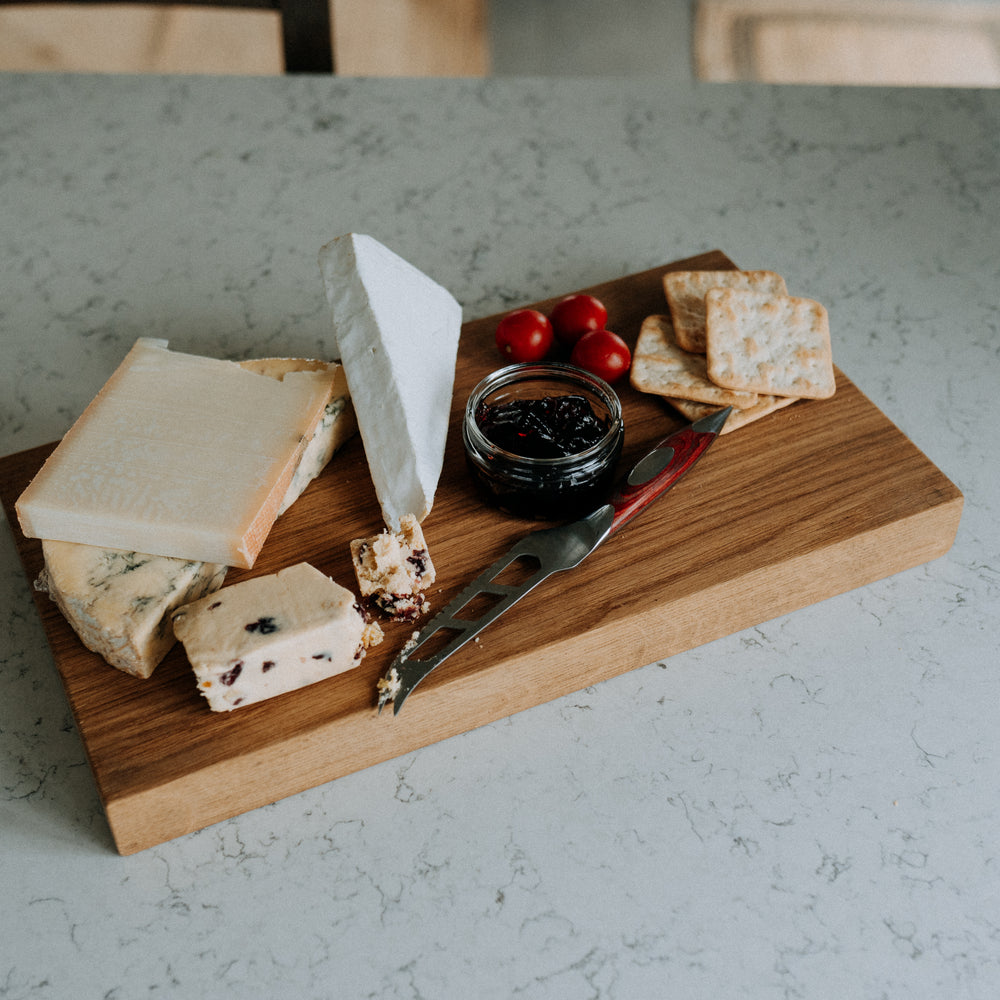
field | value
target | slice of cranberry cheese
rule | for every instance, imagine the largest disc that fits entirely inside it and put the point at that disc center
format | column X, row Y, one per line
column 394, row 569
column 272, row 634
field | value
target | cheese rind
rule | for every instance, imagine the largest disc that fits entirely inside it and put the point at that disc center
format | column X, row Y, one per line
column 397, row 333
column 336, row 426
column 272, row 634
column 177, row 455
column 119, row 603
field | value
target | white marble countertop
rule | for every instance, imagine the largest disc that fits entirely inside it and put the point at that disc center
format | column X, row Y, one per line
column 807, row 809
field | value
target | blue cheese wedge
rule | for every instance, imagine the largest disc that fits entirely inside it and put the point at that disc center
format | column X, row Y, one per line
column 119, row 603
column 272, row 634
column 397, row 333
column 394, row 569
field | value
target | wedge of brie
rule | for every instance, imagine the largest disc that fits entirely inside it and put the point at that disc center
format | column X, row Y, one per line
column 396, row 332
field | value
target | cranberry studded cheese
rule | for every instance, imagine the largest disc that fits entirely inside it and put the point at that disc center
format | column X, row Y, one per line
column 272, row 634
column 394, row 569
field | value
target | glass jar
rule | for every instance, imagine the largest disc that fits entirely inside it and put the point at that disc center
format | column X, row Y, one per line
column 552, row 489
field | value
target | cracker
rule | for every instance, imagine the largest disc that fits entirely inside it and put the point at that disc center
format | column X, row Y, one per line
column 659, row 366
column 775, row 345
column 686, row 290
column 739, row 417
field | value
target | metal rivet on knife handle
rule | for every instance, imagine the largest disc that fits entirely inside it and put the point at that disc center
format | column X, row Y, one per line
column 651, row 477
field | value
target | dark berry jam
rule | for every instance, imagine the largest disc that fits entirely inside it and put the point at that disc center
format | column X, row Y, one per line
column 542, row 441
column 550, row 427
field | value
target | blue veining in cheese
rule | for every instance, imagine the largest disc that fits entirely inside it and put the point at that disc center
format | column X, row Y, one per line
column 119, row 603
column 335, row 427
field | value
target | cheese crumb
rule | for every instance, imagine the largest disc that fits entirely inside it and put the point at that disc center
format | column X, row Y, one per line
column 393, row 570
column 389, row 687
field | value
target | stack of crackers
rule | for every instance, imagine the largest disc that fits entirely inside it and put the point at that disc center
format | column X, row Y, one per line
column 734, row 338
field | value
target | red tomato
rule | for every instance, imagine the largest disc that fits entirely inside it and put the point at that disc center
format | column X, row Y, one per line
column 576, row 315
column 602, row 353
column 524, row 335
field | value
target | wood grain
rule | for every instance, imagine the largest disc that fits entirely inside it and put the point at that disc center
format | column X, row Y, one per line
column 892, row 43
column 371, row 38
column 814, row 500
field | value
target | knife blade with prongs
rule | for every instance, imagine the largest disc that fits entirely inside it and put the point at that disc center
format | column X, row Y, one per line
column 547, row 551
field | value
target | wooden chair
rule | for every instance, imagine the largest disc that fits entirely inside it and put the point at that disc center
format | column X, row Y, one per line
column 305, row 26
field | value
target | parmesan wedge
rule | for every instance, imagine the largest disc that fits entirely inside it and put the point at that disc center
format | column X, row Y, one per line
column 179, row 456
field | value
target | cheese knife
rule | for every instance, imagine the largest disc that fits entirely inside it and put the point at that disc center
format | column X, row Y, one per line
column 544, row 552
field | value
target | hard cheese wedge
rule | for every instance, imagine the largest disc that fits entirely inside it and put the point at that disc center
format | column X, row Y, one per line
column 397, row 335
column 272, row 634
column 179, row 456
column 119, row 602
column 335, row 427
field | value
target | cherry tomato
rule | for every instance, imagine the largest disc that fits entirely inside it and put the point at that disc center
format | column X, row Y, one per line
column 576, row 315
column 524, row 335
column 602, row 353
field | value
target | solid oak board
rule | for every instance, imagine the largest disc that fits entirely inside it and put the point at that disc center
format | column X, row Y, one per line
column 814, row 500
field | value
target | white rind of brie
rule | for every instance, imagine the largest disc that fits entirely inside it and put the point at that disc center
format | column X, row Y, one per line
column 397, row 336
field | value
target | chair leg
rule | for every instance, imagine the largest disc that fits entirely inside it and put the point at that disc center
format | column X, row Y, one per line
column 306, row 36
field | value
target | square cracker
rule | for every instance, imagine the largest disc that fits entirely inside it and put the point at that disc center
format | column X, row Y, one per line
column 660, row 366
column 776, row 345
column 686, row 291
column 739, row 417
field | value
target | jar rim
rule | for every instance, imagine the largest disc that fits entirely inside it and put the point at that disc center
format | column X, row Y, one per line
column 539, row 372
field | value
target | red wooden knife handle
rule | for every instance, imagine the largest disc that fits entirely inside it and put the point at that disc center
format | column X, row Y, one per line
column 656, row 472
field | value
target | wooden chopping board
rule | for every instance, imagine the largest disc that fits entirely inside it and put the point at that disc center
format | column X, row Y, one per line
column 814, row 500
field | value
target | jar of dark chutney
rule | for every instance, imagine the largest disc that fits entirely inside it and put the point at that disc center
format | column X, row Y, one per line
column 558, row 480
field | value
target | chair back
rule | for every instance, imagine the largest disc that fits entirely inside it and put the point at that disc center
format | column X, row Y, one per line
column 307, row 42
